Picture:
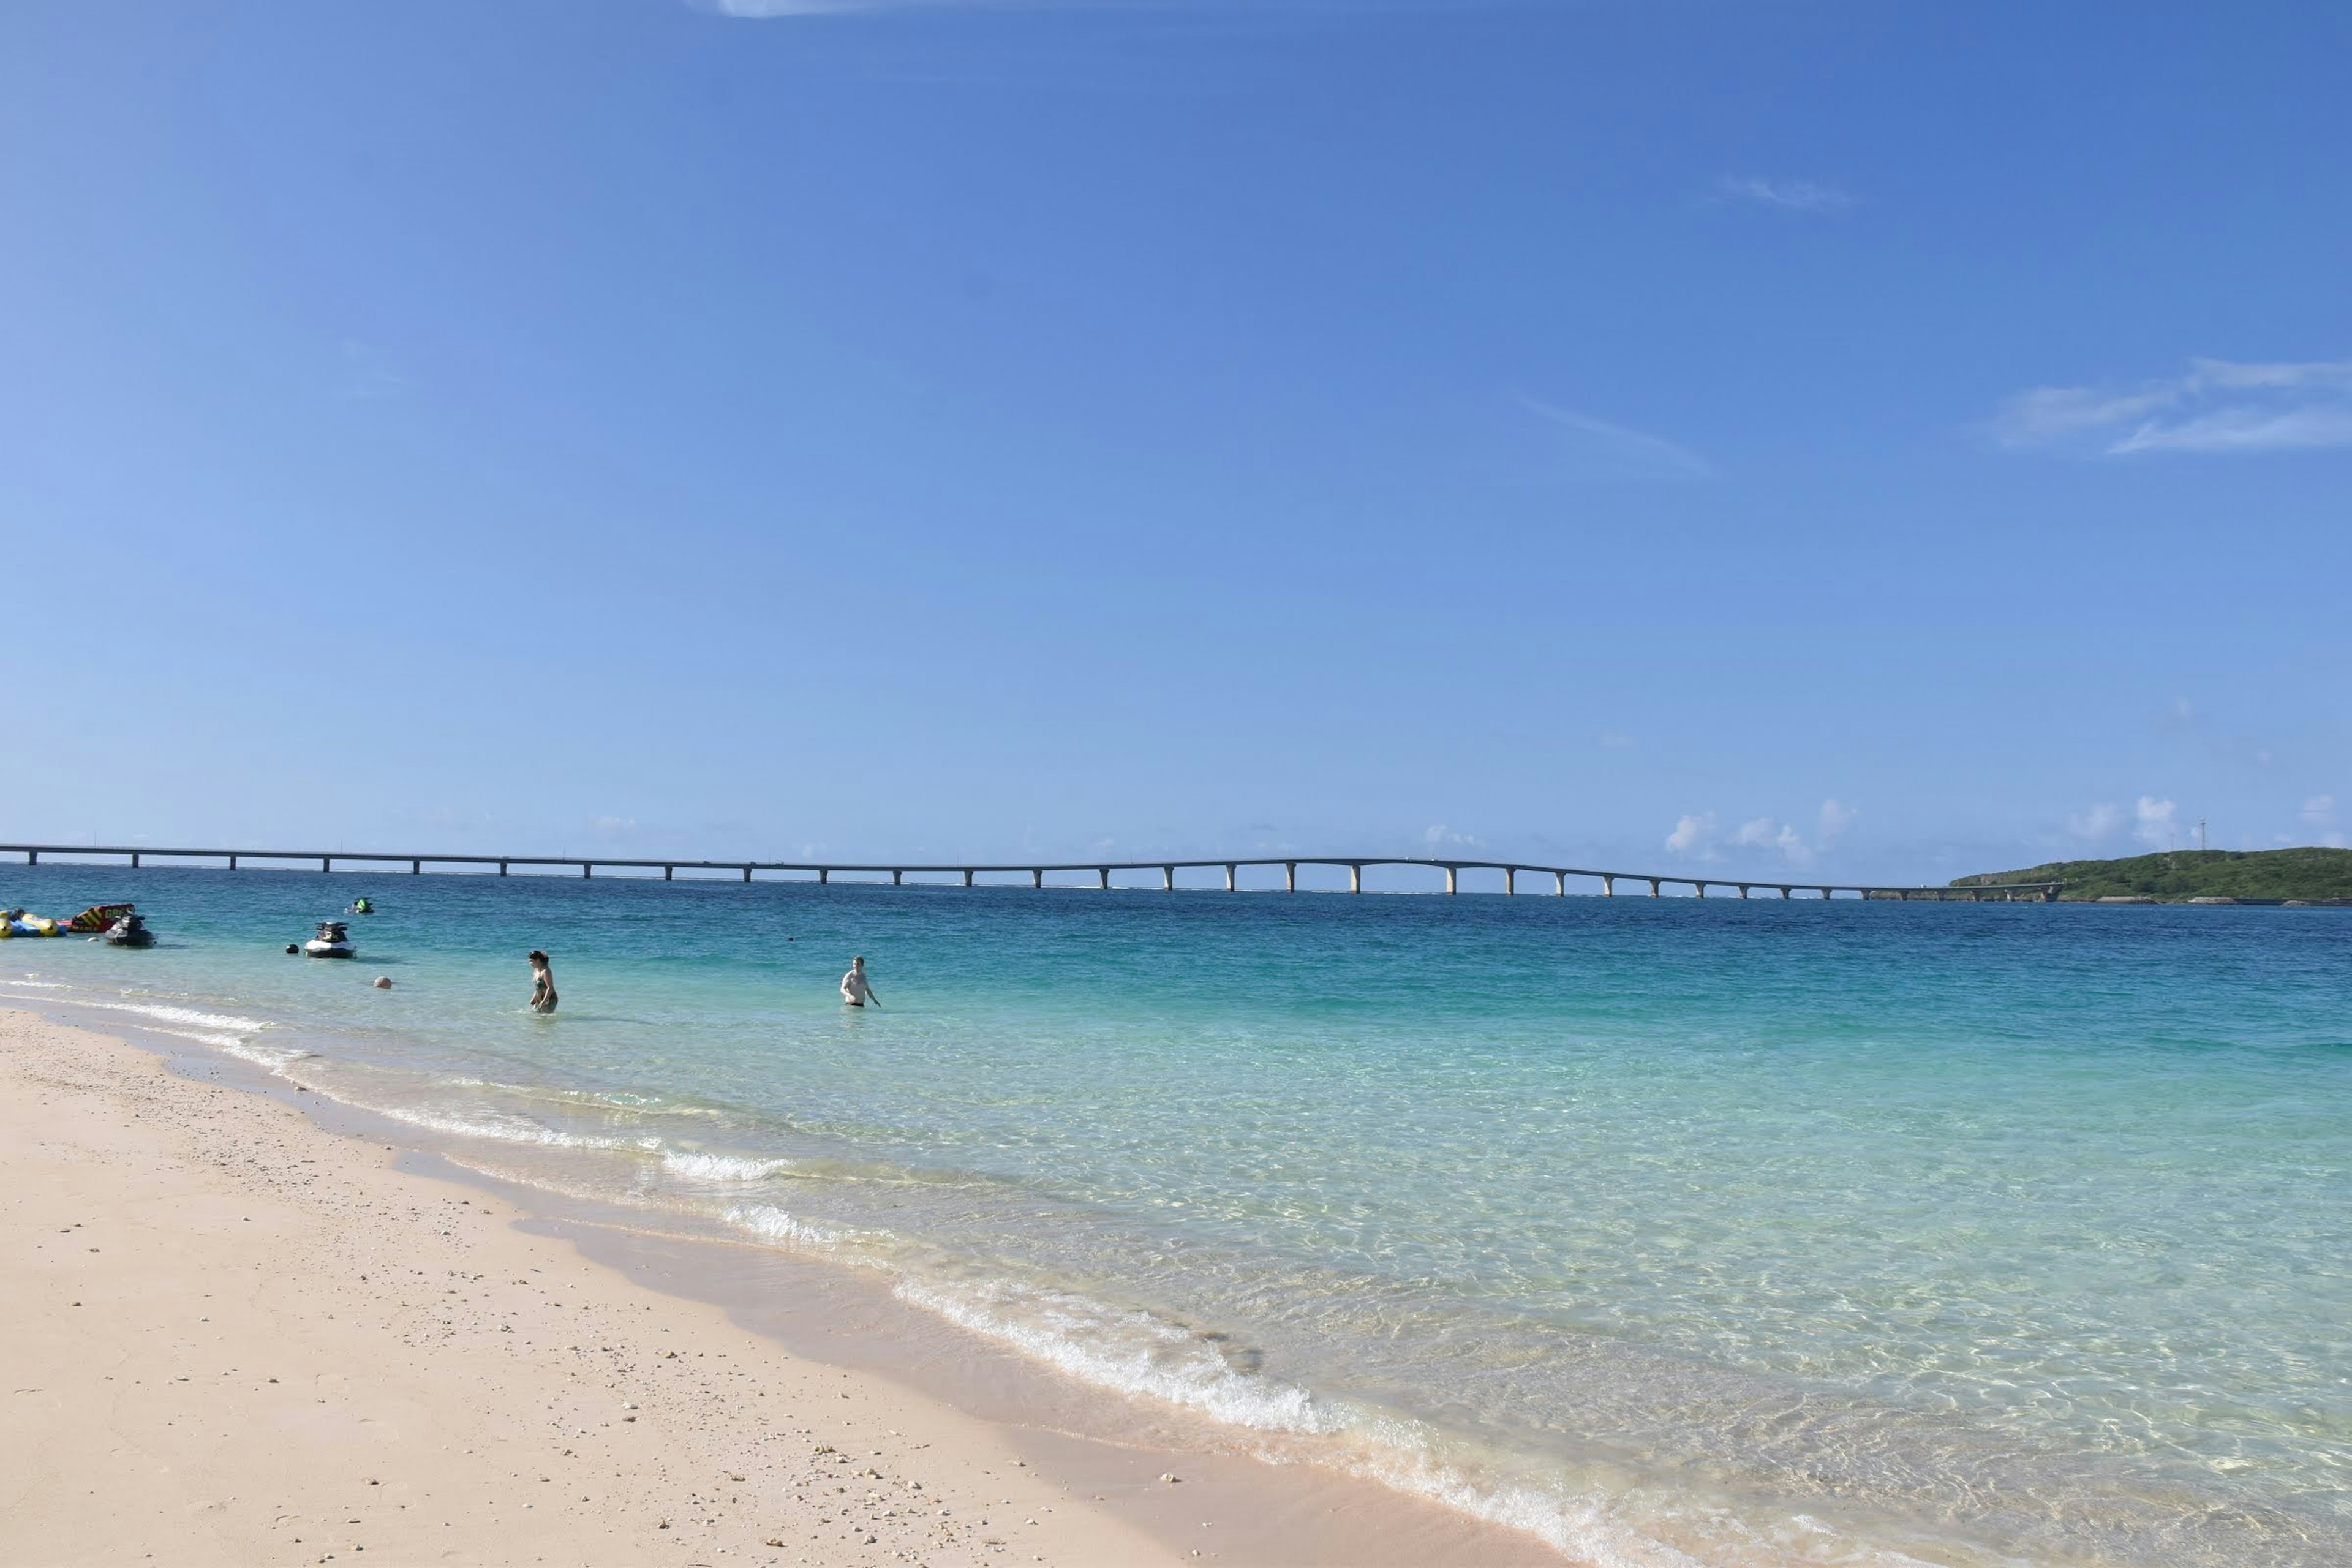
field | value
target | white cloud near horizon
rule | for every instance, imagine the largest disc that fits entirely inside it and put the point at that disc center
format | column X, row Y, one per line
column 1692, row 833
column 1783, row 195
column 2153, row 825
column 1596, row 449
column 1698, row 835
column 2097, row 824
column 2218, row 406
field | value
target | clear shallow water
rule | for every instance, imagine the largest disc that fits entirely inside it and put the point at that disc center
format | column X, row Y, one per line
column 1725, row 1232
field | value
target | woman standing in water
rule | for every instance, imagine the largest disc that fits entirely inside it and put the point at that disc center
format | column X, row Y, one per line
column 543, row 983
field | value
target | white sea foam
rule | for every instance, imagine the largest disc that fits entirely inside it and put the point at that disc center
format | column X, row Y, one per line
column 730, row 1168
column 1137, row 1353
column 244, row 1051
column 37, row 984
column 225, row 1032
column 164, row 1013
column 1132, row 1352
column 507, row 1129
column 775, row 1225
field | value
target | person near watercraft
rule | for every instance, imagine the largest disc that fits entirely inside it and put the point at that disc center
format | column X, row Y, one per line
column 855, row 988
column 543, row 983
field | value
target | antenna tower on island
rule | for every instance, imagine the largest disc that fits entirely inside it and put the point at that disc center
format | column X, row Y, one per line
column 2200, row 833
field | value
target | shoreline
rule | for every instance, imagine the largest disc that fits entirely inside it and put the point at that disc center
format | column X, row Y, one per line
column 454, row 1409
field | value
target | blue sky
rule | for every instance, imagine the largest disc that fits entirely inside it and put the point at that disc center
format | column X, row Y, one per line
column 1890, row 441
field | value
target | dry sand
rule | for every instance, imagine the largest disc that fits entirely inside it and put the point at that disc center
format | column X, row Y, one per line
column 233, row 1337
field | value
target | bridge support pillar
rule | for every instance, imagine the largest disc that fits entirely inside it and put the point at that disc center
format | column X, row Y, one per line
column 1167, row 879
column 1290, row 876
column 135, row 859
column 1102, row 878
column 823, row 875
column 1608, row 887
column 326, row 863
column 967, row 877
column 417, row 867
column 1743, row 889
column 1229, row 878
column 1449, row 880
column 1698, row 889
column 1355, row 879
column 587, row 867
column 33, row 857
column 502, row 867
column 897, row 878
column 1560, row 883
column 1510, row 881
column 1036, row 876
column 1825, row 893
column 747, row 873
column 232, row 862
column 1784, row 892
column 1653, row 887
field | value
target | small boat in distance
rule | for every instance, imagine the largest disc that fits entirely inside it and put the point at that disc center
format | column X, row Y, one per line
column 333, row 941
column 129, row 931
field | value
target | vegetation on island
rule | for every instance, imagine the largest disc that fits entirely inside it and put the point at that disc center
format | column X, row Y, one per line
column 2176, row 876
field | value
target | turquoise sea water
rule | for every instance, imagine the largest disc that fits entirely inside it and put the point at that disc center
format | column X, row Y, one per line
column 1723, row 1231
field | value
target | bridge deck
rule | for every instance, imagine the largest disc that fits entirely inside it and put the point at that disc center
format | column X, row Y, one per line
column 1036, row 871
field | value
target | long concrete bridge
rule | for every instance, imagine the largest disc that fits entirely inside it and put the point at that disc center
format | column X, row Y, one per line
column 1099, row 870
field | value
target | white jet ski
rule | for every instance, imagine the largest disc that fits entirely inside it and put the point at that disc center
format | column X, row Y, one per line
column 333, row 941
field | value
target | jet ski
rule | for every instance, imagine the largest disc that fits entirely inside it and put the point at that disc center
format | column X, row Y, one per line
column 333, row 941
column 129, row 932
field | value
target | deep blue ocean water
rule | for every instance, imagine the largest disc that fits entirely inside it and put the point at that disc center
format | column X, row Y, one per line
column 1723, row 1231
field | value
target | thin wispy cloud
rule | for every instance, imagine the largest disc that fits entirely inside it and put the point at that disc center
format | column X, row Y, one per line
column 771, row 10
column 1783, row 195
column 1595, row 449
column 787, row 10
column 2218, row 406
column 368, row 373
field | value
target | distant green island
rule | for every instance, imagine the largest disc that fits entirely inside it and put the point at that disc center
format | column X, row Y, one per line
column 2177, row 876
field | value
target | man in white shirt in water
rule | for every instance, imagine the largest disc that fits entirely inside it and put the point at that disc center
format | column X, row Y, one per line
column 854, row 988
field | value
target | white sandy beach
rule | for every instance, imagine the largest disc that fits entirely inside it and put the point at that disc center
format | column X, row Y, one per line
column 236, row 1338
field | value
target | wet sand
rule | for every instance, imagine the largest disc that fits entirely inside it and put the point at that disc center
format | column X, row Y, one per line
column 237, row 1337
